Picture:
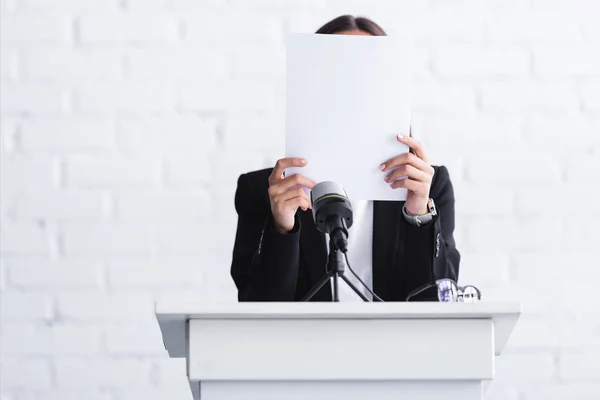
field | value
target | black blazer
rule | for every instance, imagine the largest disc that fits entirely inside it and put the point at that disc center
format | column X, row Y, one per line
column 270, row 266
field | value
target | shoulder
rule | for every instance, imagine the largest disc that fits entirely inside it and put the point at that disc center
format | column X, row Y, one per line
column 255, row 183
column 441, row 182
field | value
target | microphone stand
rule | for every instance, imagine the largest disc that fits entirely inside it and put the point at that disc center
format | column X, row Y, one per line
column 334, row 269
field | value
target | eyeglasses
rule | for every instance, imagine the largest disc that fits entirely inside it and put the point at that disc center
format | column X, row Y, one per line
column 450, row 292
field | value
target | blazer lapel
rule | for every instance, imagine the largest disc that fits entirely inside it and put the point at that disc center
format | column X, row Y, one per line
column 386, row 223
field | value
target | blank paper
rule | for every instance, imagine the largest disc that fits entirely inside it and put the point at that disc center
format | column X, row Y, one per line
column 347, row 98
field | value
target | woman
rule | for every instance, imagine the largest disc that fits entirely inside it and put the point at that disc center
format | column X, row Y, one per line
column 396, row 246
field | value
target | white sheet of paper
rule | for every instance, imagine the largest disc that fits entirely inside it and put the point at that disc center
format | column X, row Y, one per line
column 347, row 98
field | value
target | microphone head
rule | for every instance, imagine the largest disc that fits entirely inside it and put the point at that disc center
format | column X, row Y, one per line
column 327, row 188
column 331, row 207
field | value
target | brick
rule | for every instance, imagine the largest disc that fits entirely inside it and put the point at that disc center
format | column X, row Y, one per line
column 233, row 96
column 105, row 306
column 88, row 172
column 443, row 98
column 583, row 237
column 60, row 205
column 532, row 201
column 230, row 164
column 25, row 239
column 187, row 170
column 566, row 61
column 579, row 366
column 190, row 5
column 26, row 306
column 561, row 392
column 478, row 268
column 19, row 373
column 67, row 134
column 270, row 5
column 251, row 131
column 171, row 372
column 138, row 28
column 468, row 130
column 135, row 340
column 174, row 392
column 448, row 27
column 482, row 62
column 484, row 200
column 499, row 391
column 108, row 239
column 34, row 98
column 140, row 239
column 155, row 273
column 192, row 136
column 525, row 367
column 529, row 234
column 55, row 275
column 534, row 28
column 165, row 206
column 100, row 373
column 28, row 173
column 235, row 28
column 548, row 268
column 57, row 340
column 258, row 62
column 9, row 66
column 519, row 167
column 127, row 98
column 591, row 97
column 583, row 169
column 83, row 64
column 583, row 6
column 590, row 29
column 548, row 130
column 68, row 6
column 66, row 394
column 534, row 332
column 526, row 97
column 181, row 63
column 29, row 29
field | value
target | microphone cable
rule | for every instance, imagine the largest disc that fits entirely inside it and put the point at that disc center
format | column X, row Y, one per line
column 420, row 290
column 361, row 281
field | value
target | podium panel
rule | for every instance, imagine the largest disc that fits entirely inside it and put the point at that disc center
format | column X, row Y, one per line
column 337, row 350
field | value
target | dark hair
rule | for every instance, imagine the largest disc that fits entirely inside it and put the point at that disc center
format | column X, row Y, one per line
column 351, row 23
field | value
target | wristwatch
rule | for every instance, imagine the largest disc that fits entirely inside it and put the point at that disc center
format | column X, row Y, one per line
column 419, row 220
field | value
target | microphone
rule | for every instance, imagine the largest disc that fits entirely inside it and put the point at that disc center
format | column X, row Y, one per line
column 332, row 212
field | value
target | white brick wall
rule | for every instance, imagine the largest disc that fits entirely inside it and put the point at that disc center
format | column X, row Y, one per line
column 125, row 124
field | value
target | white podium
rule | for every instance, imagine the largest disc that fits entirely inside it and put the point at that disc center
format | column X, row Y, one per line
column 350, row 351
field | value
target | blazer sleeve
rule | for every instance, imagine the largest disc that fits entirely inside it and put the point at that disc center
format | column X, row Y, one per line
column 430, row 250
column 265, row 262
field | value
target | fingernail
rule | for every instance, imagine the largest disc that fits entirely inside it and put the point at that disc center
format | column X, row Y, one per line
column 382, row 167
column 400, row 136
column 303, row 161
column 387, row 178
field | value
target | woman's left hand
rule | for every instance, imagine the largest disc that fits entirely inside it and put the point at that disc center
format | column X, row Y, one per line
column 416, row 174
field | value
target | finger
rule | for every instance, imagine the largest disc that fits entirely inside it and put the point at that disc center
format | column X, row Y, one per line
column 281, row 165
column 291, row 181
column 409, row 171
column 291, row 194
column 296, row 202
column 409, row 184
column 415, row 145
column 406, row 158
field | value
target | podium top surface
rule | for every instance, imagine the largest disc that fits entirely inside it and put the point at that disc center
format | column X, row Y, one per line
column 172, row 317
column 330, row 310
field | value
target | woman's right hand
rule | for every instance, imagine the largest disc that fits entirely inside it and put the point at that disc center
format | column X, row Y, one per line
column 287, row 194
